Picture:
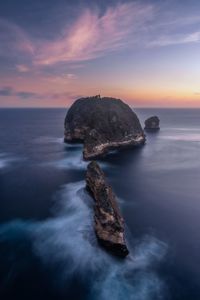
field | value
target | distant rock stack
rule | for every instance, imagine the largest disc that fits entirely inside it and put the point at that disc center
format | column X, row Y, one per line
column 152, row 124
column 109, row 224
column 102, row 124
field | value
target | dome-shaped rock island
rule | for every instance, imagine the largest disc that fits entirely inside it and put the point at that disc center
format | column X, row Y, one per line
column 102, row 124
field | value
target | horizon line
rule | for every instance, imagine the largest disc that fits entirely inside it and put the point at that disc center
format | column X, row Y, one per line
column 67, row 107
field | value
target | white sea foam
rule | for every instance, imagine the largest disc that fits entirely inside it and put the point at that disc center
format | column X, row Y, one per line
column 3, row 160
column 68, row 243
column 185, row 137
column 73, row 159
column 48, row 140
column 72, row 155
column 6, row 160
column 3, row 163
column 190, row 129
column 56, row 140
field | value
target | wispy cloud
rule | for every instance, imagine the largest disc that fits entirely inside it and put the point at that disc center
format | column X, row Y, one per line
column 176, row 39
column 27, row 95
column 94, row 34
column 9, row 91
column 65, row 95
column 14, row 40
column 22, row 68
column 6, row 91
column 91, row 35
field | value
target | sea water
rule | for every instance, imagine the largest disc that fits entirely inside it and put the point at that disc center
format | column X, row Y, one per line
column 48, row 248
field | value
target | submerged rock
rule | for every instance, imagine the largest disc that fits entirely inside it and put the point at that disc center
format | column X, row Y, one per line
column 109, row 224
column 102, row 124
column 152, row 123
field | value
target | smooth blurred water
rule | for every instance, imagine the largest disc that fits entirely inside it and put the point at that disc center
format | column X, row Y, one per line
column 48, row 249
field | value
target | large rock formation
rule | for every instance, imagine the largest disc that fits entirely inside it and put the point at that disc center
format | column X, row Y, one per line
column 102, row 124
column 109, row 224
column 152, row 123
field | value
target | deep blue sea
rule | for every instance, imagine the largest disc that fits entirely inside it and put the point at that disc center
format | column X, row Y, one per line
column 48, row 249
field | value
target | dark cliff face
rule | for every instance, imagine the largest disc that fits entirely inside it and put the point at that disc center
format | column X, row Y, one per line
column 102, row 124
column 109, row 224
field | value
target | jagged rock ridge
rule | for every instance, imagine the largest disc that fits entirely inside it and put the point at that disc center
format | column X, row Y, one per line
column 109, row 224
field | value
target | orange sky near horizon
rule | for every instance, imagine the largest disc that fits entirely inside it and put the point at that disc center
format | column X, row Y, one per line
column 62, row 92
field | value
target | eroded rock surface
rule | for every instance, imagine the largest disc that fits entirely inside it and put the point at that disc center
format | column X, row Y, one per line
column 102, row 124
column 109, row 224
column 152, row 123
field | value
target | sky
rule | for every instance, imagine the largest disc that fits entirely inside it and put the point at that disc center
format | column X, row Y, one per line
column 146, row 53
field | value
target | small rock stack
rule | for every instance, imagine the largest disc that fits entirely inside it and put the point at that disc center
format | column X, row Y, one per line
column 152, row 123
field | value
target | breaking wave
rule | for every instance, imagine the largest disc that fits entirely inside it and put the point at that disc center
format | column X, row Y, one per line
column 3, row 161
column 73, row 159
column 48, row 140
column 6, row 160
column 183, row 137
column 67, row 243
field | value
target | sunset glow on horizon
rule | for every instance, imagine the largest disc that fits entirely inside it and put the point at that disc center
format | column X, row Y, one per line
column 143, row 52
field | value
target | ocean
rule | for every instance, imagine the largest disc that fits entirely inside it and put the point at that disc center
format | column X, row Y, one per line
column 48, row 249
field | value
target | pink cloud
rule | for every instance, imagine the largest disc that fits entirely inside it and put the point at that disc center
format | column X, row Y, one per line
column 93, row 35
column 22, row 68
column 14, row 40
